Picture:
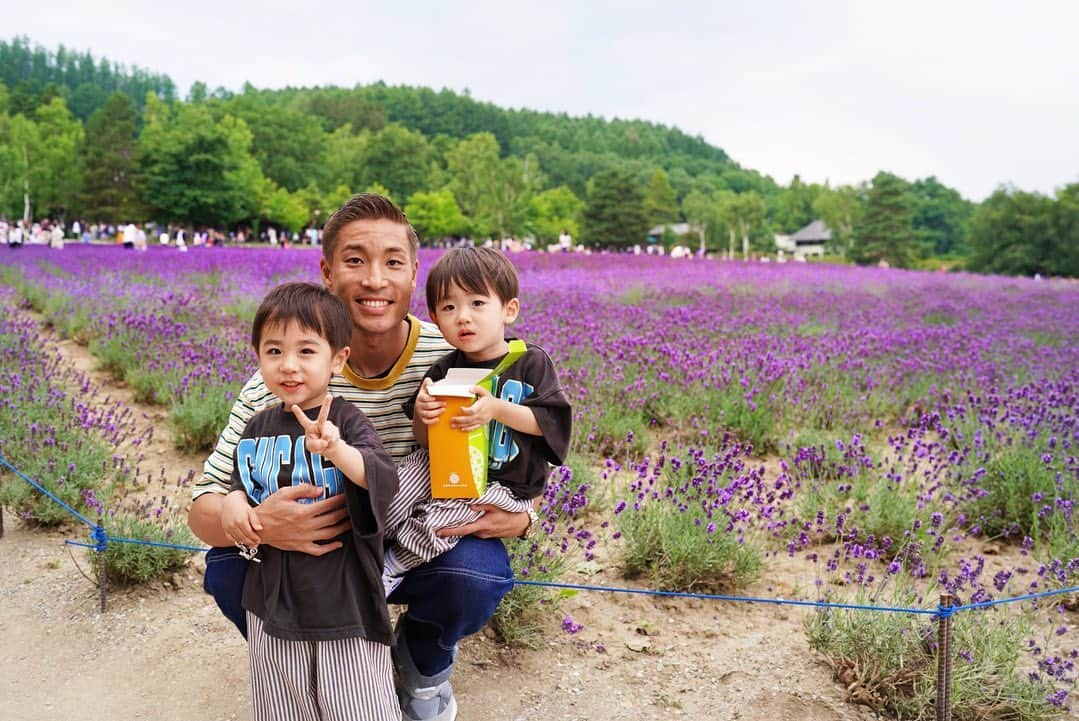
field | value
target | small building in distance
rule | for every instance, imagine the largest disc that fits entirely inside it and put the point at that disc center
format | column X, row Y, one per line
column 810, row 240
column 655, row 235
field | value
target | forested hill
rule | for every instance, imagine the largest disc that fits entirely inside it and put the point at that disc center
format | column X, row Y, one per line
column 570, row 150
column 91, row 139
column 33, row 75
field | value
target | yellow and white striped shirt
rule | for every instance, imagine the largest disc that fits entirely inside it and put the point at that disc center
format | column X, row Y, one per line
column 380, row 399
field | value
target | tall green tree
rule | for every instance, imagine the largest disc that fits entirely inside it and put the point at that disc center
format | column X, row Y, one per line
column 111, row 174
column 435, row 215
column 700, row 212
column 555, row 210
column 841, row 209
column 941, row 219
column 748, row 211
column 397, row 158
column 614, row 215
column 660, row 202
column 20, row 146
column 885, row 232
column 494, row 192
column 198, row 170
column 57, row 167
column 794, row 205
column 289, row 145
column 1019, row 233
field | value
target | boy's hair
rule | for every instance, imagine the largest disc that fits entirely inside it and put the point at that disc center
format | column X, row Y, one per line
column 365, row 206
column 474, row 270
column 310, row 306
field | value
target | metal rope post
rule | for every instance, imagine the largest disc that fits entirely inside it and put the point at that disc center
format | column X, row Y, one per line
column 944, row 659
column 102, row 543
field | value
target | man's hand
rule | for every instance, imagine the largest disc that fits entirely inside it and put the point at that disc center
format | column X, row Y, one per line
column 494, row 523
column 428, row 407
column 292, row 526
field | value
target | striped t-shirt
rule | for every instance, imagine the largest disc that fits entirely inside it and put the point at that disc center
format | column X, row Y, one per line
column 381, row 400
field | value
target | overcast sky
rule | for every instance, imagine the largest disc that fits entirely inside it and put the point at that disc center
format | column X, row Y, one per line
column 976, row 93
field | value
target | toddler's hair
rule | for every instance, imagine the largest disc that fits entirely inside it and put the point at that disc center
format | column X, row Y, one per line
column 474, row 270
column 311, row 306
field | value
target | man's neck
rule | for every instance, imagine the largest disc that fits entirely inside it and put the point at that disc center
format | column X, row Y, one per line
column 373, row 355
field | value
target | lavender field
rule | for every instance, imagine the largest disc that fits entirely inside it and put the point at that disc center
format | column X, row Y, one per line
column 904, row 434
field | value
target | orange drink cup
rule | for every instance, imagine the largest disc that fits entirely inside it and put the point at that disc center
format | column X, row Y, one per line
column 451, row 462
column 458, row 458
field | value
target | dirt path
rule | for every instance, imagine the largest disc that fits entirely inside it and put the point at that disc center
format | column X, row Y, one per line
column 163, row 650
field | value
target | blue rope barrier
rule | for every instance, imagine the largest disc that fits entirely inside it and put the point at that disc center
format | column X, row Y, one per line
column 1028, row 597
column 195, row 549
column 38, row 486
column 720, row 597
column 100, row 542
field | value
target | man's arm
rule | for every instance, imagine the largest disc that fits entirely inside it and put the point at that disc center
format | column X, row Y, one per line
column 287, row 525
column 494, row 523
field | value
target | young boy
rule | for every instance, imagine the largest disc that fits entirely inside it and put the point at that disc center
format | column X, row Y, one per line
column 319, row 632
column 472, row 297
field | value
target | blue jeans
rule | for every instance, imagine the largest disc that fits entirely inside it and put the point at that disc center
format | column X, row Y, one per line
column 448, row 598
column 224, row 580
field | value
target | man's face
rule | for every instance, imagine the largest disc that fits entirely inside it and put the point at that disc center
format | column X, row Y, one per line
column 373, row 271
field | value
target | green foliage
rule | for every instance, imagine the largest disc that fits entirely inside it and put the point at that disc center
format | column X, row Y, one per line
column 553, row 211
column 660, row 203
column 841, row 210
column 147, row 516
column 795, row 206
column 676, row 545
column 518, row 619
column 614, row 215
column 86, row 83
column 396, row 158
column 885, row 232
column 198, row 417
column 1019, row 233
column 888, row 661
column 112, row 181
column 1020, row 491
column 494, row 192
column 289, row 145
column 435, row 215
column 941, row 219
column 198, row 170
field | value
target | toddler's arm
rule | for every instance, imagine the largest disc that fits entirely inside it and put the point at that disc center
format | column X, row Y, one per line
column 239, row 520
column 323, row 437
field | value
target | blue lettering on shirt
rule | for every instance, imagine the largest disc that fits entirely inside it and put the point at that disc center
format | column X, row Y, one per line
column 502, row 448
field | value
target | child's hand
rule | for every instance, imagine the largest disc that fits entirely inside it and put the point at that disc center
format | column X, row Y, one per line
column 479, row 413
column 320, row 436
column 239, row 520
column 428, row 407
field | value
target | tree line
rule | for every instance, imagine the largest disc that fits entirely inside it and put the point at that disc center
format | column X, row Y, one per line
column 91, row 139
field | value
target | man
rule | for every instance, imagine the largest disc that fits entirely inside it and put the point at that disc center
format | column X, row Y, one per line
column 369, row 260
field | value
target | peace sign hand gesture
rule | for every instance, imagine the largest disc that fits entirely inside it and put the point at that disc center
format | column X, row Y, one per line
column 320, row 436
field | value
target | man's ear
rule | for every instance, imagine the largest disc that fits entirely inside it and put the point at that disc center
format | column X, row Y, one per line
column 327, row 273
column 339, row 359
column 510, row 310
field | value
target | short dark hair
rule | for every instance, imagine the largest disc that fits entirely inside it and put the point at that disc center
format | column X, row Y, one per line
column 311, row 306
column 475, row 270
column 365, row 206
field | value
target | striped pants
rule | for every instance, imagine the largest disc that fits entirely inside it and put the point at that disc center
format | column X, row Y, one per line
column 350, row 679
column 413, row 516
